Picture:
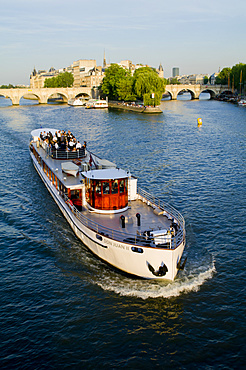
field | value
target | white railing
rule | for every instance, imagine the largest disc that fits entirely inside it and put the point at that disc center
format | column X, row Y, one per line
column 135, row 239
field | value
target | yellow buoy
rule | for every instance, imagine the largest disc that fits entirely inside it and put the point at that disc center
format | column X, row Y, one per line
column 199, row 121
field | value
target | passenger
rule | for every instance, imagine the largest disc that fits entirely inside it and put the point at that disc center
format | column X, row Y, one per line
column 84, row 146
column 63, row 145
column 78, row 145
column 71, row 144
column 59, row 137
column 50, row 137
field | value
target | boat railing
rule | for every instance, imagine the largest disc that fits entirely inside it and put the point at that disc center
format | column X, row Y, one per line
column 138, row 240
column 170, row 211
column 65, row 154
column 162, row 205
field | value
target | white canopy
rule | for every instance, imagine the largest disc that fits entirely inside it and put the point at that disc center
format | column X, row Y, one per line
column 106, row 174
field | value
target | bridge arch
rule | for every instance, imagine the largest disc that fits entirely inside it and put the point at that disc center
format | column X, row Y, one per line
column 56, row 95
column 167, row 95
column 192, row 93
column 209, row 91
column 83, row 96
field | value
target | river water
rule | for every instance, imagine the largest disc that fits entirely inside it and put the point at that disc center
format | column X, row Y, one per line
column 62, row 308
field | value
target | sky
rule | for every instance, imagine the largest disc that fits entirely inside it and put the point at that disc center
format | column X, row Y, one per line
column 197, row 36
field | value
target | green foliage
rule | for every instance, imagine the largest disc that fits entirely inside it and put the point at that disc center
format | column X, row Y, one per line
column 174, row 81
column 222, row 78
column 146, row 82
column 152, row 99
column 9, row 86
column 125, row 90
column 118, row 84
column 112, row 81
column 238, row 76
column 235, row 77
column 205, row 80
column 62, row 80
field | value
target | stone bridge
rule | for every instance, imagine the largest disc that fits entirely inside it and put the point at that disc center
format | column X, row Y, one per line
column 44, row 94
column 194, row 90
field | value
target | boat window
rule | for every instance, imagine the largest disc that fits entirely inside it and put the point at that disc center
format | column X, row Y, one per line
column 122, row 186
column 114, row 187
column 74, row 194
column 98, row 187
column 105, row 187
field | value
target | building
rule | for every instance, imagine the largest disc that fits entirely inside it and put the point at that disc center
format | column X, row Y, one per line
column 85, row 73
column 175, row 71
column 212, row 78
column 160, row 71
column 37, row 78
column 80, row 70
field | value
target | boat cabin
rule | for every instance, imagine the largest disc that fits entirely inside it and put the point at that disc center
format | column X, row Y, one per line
column 106, row 190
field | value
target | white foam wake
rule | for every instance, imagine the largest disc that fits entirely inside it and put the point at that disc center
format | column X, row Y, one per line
column 155, row 289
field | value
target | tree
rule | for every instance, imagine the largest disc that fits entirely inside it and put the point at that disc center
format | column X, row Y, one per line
column 125, row 89
column 9, row 86
column 174, row 81
column 113, row 81
column 222, row 78
column 235, row 77
column 205, row 80
column 147, row 82
column 65, row 79
column 119, row 84
column 238, row 76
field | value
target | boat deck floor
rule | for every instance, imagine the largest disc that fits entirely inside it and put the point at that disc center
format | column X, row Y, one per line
column 148, row 219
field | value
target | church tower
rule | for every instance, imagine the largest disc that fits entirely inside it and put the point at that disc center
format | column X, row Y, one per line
column 104, row 60
column 160, row 71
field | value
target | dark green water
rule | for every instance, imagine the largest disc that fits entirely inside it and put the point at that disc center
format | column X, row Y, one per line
column 62, row 308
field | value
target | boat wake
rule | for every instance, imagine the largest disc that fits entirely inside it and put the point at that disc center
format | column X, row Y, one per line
column 187, row 281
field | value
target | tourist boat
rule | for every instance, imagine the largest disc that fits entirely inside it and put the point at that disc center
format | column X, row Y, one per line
column 77, row 102
column 122, row 224
column 97, row 104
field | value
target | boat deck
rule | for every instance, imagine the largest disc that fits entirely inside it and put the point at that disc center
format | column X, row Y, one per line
column 152, row 218
column 56, row 166
column 148, row 219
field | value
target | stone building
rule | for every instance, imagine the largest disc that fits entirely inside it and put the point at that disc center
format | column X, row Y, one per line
column 37, row 78
column 85, row 73
column 160, row 71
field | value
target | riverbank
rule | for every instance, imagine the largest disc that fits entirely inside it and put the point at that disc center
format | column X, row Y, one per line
column 139, row 108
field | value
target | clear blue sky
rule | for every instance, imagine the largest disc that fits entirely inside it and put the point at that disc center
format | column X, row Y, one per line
column 197, row 36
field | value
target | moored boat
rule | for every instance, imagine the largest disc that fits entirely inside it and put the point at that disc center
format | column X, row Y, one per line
column 76, row 102
column 97, row 104
column 242, row 102
column 119, row 222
